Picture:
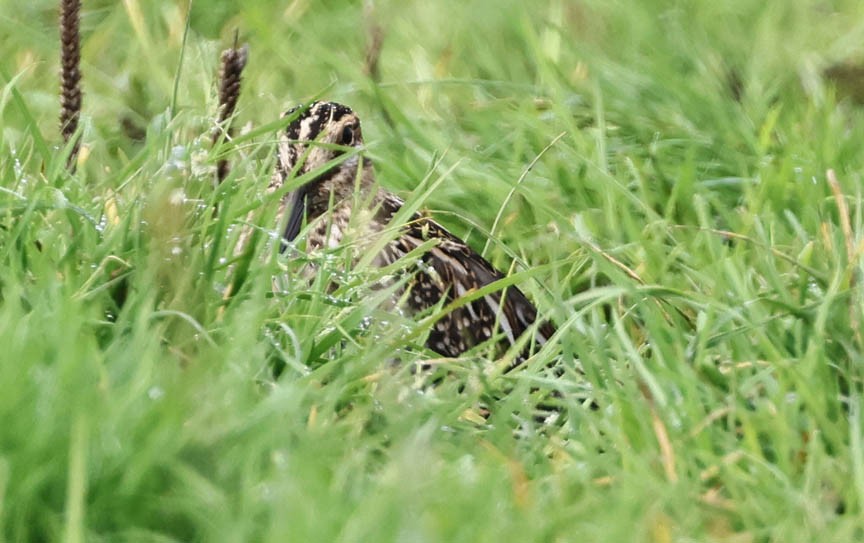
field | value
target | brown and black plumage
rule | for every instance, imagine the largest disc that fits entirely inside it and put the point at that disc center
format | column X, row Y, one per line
column 324, row 141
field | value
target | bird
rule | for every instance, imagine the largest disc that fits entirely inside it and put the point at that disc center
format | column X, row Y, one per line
column 323, row 144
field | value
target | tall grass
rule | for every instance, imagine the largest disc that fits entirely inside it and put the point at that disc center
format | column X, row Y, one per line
column 682, row 233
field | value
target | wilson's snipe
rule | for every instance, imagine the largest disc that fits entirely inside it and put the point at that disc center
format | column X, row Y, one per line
column 325, row 141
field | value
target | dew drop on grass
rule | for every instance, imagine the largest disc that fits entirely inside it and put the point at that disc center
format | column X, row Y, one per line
column 177, row 160
column 155, row 393
column 815, row 289
column 178, row 196
column 266, row 492
column 17, row 167
column 279, row 459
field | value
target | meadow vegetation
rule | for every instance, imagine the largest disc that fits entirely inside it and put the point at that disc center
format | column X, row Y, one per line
column 655, row 175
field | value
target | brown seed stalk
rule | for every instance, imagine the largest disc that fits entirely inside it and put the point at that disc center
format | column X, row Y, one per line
column 70, row 76
column 233, row 62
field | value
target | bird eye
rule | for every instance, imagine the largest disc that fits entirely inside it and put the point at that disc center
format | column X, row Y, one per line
column 347, row 135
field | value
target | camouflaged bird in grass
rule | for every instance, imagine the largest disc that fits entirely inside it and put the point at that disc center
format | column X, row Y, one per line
column 324, row 142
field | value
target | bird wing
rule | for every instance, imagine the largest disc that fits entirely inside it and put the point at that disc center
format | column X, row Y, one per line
column 451, row 269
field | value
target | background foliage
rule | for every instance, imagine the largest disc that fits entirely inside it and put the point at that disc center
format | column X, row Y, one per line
column 682, row 233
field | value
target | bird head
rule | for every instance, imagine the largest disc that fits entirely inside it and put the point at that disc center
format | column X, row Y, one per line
column 314, row 144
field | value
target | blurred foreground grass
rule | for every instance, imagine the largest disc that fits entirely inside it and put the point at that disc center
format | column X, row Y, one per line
column 682, row 233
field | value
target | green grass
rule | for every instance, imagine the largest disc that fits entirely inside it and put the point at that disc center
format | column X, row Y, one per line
column 726, row 367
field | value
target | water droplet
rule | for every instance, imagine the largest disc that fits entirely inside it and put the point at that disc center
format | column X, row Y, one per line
column 280, row 459
column 155, row 393
column 178, row 196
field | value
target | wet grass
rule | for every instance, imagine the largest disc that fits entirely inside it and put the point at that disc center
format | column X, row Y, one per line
column 653, row 174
